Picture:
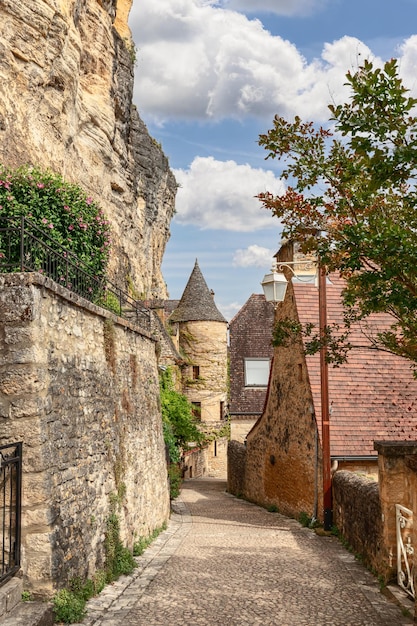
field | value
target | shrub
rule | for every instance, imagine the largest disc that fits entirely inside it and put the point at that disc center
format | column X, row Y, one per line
column 68, row 607
column 63, row 210
column 174, row 474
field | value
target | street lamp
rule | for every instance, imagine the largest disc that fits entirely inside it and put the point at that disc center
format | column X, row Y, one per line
column 275, row 287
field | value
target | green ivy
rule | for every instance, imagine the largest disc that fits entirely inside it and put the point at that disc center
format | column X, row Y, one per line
column 119, row 559
column 143, row 542
column 63, row 210
column 179, row 424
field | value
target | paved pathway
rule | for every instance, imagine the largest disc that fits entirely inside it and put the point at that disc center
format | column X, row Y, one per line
column 225, row 561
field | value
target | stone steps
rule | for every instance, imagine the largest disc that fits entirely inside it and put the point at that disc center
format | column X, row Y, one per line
column 30, row 614
column 14, row 612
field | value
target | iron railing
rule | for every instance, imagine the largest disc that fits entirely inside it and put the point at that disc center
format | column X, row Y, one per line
column 24, row 247
column 10, row 509
column 405, row 549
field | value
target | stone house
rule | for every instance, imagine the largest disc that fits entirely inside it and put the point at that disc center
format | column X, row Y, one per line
column 250, row 356
column 199, row 332
column 372, row 397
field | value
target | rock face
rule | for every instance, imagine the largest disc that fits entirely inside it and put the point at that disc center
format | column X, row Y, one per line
column 66, row 83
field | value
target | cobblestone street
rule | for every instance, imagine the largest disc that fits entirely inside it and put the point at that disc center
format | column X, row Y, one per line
column 225, row 561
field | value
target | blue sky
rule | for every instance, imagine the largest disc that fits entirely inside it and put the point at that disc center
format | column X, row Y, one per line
column 210, row 77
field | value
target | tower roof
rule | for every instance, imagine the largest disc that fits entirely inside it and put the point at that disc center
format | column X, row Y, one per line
column 197, row 302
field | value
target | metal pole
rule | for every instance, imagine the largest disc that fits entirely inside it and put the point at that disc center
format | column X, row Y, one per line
column 325, row 413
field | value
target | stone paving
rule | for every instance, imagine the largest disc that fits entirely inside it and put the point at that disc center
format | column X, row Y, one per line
column 225, row 561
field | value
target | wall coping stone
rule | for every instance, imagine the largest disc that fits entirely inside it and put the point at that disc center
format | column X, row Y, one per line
column 27, row 279
column 395, row 448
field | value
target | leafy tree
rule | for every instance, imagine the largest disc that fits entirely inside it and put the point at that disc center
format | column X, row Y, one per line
column 177, row 417
column 351, row 198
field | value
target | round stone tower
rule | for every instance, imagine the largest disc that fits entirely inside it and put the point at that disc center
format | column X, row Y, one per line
column 202, row 339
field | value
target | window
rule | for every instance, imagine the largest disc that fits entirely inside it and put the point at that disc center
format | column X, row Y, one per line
column 196, row 372
column 256, row 372
column 196, row 409
column 221, row 410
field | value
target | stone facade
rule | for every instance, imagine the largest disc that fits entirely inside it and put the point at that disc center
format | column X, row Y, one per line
column 205, row 345
column 79, row 387
column 68, row 66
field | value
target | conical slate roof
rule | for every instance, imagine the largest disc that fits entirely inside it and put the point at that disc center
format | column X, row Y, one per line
column 197, row 302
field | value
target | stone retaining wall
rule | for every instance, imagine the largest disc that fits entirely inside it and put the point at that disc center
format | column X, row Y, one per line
column 357, row 515
column 79, row 386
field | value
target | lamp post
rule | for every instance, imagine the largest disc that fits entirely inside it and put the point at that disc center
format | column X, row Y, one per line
column 275, row 287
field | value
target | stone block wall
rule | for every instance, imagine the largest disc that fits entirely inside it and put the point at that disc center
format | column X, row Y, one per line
column 205, row 344
column 79, row 386
column 195, row 463
column 236, row 466
column 358, row 517
column 239, row 428
column 397, row 466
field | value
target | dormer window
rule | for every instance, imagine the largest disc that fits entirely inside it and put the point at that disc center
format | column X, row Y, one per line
column 256, row 372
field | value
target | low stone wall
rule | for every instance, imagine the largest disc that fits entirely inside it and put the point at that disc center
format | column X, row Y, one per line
column 236, row 465
column 194, row 463
column 79, row 386
column 357, row 515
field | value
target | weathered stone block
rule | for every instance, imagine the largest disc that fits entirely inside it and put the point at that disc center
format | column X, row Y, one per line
column 17, row 379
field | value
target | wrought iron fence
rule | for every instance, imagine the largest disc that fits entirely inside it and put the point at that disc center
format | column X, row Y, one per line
column 24, row 247
column 10, row 508
column 405, row 549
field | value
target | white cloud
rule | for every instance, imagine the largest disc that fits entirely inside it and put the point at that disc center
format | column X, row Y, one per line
column 198, row 61
column 408, row 64
column 229, row 310
column 253, row 256
column 221, row 195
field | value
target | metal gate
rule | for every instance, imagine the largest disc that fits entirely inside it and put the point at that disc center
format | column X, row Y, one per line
column 405, row 549
column 10, row 509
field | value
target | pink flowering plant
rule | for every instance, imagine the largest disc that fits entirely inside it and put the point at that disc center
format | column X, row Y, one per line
column 62, row 210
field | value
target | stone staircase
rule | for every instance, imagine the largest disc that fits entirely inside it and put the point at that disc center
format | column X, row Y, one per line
column 14, row 612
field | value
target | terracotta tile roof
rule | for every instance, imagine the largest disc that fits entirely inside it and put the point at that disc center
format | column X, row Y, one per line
column 197, row 302
column 373, row 396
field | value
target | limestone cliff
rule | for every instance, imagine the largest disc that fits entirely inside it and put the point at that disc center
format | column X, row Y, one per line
column 66, row 82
